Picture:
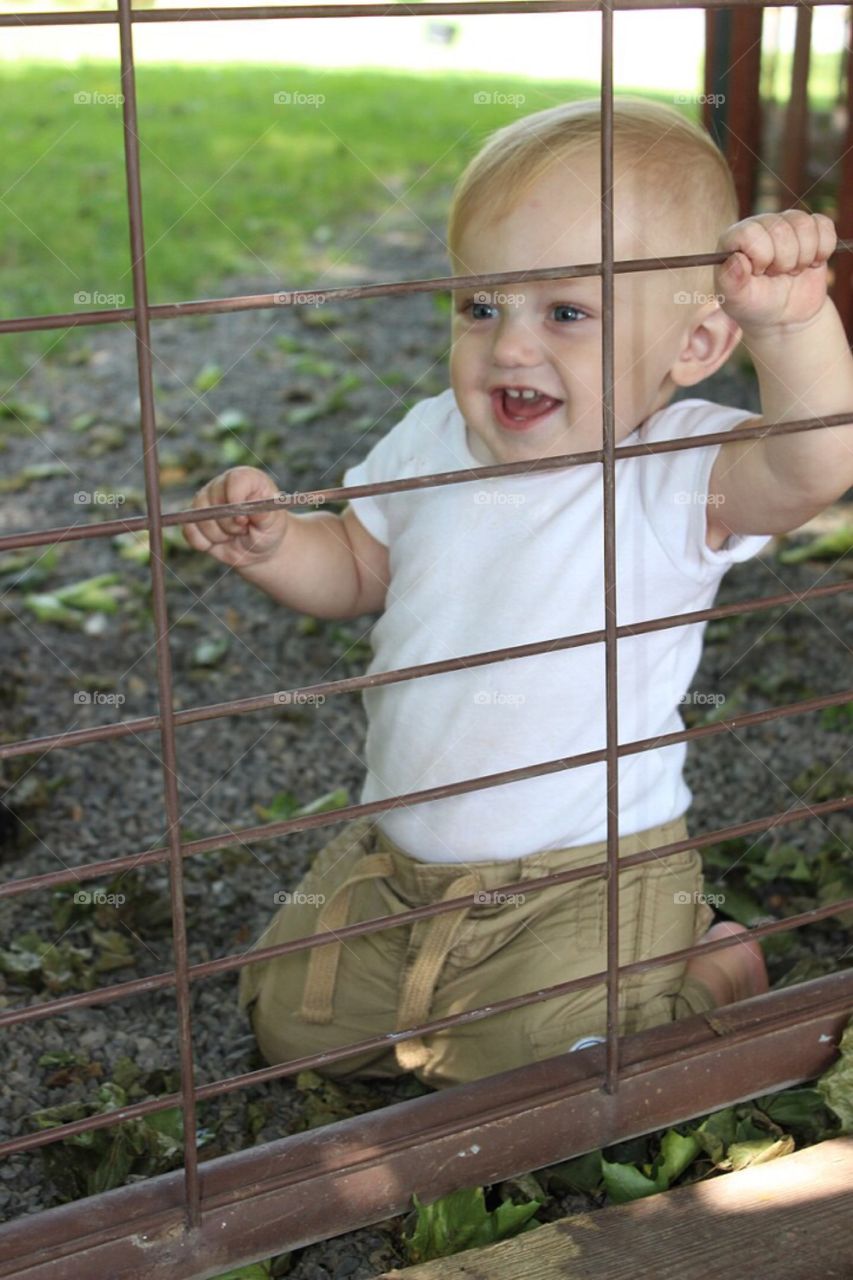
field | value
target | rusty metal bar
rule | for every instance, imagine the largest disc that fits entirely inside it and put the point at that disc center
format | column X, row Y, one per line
column 106, row 528
column 160, row 608
column 472, row 7
column 269, row 830
column 842, row 270
column 309, row 295
column 283, row 1195
column 608, row 476
column 793, row 180
column 276, row 1071
column 107, row 995
column 352, row 684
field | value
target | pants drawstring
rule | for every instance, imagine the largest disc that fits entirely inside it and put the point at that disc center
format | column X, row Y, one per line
column 323, row 961
column 417, row 992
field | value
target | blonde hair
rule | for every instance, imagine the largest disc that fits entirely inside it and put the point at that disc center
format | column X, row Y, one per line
column 687, row 189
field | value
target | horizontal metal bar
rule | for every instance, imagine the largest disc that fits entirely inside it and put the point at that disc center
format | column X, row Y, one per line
column 277, row 1071
column 352, row 684
column 466, row 475
column 119, row 991
column 287, row 1194
column 467, row 7
column 309, row 295
column 270, row 830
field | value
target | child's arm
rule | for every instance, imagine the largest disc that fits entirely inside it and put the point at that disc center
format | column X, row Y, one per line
column 318, row 562
column 774, row 286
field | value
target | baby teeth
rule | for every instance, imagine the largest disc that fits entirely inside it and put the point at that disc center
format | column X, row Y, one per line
column 526, row 394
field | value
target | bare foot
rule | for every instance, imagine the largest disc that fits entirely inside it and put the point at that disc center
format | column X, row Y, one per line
column 732, row 973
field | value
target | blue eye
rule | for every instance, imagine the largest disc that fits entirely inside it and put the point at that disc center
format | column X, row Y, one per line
column 480, row 310
column 563, row 311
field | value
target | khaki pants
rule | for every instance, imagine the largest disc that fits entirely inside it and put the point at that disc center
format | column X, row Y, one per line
column 329, row 996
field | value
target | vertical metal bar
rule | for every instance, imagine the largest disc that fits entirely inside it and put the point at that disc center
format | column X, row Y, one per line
column 609, row 487
column 842, row 284
column 161, row 621
column 797, row 116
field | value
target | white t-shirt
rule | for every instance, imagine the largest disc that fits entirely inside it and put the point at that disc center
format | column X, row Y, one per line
column 490, row 563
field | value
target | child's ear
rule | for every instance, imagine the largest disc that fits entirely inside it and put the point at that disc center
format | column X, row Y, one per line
column 708, row 343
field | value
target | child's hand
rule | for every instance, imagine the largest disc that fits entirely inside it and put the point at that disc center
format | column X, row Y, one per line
column 776, row 276
column 238, row 540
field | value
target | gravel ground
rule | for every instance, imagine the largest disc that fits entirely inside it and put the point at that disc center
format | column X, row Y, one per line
column 283, row 371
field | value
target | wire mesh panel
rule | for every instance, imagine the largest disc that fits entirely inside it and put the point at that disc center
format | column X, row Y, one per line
column 458, row 1112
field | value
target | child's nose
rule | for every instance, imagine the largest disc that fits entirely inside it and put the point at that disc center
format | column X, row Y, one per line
column 515, row 344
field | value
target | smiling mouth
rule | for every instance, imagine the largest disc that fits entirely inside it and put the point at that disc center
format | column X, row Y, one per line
column 520, row 407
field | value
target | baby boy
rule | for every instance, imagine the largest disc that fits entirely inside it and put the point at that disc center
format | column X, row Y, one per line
column 463, row 568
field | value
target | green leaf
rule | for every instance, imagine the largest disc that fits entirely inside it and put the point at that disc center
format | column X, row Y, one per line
column 836, row 1084
column 741, row 1155
column 582, row 1174
column 210, row 651
column 625, row 1182
column 208, row 377
column 331, row 800
column 678, row 1151
column 461, row 1221
column 830, row 546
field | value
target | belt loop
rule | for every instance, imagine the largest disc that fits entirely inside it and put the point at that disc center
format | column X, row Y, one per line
column 322, row 969
column 417, row 993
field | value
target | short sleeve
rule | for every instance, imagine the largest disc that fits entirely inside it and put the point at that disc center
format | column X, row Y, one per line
column 407, row 450
column 673, row 488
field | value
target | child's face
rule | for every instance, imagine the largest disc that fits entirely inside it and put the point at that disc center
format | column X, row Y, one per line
column 545, row 337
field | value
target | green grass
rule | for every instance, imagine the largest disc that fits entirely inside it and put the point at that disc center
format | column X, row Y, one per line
column 233, row 184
